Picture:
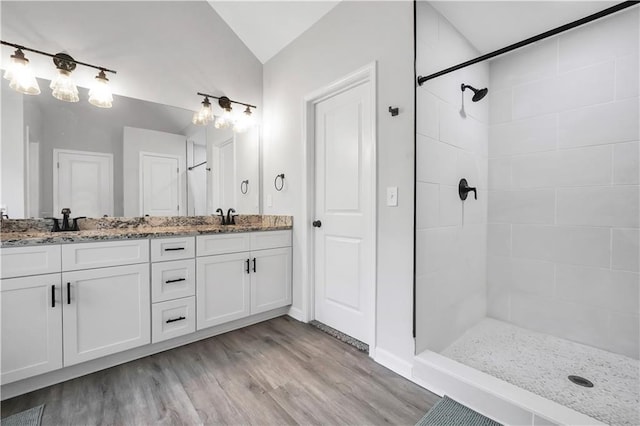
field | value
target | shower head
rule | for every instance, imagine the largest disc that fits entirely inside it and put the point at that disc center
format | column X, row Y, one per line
column 477, row 93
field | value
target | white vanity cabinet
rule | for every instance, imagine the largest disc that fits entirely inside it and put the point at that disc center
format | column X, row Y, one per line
column 105, row 310
column 173, row 288
column 253, row 279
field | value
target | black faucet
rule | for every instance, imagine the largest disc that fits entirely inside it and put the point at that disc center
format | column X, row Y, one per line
column 65, row 222
column 231, row 219
column 224, row 221
column 464, row 189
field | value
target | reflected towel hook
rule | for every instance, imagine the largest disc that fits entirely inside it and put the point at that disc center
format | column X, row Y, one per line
column 275, row 182
column 244, row 186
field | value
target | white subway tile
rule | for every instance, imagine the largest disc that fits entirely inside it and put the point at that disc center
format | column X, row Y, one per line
column 537, row 98
column 532, row 277
column 532, row 63
column 499, row 173
column 535, row 206
column 468, row 166
column 435, row 161
column 617, row 291
column 565, row 244
column 535, row 170
column 475, row 211
column 451, row 126
column 584, row 166
column 626, row 163
column 627, row 76
column 624, row 335
column 427, row 117
column 626, row 251
column 499, row 106
column 498, row 304
column 586, row 86
column 437, row 249
column 534, row 134
column 599, row 206
column 450, row 206
column 427, row 205
column 601, row 40
column 600, row 124
column 499, row 239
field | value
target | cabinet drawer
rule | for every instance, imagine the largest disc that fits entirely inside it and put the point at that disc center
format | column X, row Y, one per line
column 222, row 244
column 270, row 239
column 173, row 318
column 172, row 248
column 32, row 260
column 99, row 255
column 172, row 280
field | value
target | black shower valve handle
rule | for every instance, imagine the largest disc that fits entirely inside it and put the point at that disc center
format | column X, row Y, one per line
column 464, row 189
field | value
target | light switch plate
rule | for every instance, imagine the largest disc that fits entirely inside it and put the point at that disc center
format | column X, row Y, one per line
column 392, row 196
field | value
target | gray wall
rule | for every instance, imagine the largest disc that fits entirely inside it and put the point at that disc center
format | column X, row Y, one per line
column 349, row 37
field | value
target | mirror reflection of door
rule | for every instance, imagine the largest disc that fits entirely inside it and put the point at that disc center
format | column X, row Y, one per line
column 83, row 182
column 160, row 185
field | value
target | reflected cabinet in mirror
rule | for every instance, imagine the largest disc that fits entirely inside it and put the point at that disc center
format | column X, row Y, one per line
column 137, row 158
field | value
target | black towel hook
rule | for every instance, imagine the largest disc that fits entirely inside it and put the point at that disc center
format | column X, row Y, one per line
column 244, row 186
column 275, row 182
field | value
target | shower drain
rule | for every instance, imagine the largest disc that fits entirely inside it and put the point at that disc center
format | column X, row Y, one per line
column 581, row 381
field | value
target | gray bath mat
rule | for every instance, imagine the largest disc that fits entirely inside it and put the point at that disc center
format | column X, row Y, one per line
column 448, row 412
column 30, row 417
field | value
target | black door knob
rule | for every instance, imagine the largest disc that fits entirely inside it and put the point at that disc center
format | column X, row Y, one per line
column 317, row 223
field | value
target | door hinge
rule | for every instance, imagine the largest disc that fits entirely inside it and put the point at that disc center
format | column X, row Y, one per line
column 178, row 207
column 58, row 164
column 178, row 170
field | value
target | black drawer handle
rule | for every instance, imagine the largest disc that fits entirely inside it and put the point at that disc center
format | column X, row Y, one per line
column 176, row 319
column 254, row 264
column 53, row 296
column 68, row 293
column 248, row 271
column 175, row 281
column 174, row 248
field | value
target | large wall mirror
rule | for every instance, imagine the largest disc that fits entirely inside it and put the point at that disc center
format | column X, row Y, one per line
column 137, row 158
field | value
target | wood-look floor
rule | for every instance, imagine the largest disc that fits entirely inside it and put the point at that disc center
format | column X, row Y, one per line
column 273, row 373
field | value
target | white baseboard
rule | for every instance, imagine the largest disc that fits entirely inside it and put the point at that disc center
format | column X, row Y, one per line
column 33, row 383
column 296, row 313
column 393, row 362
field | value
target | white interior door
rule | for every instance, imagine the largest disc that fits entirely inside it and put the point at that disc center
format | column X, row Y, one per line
column 160, row 185
column 344, row 188
column 83, row 182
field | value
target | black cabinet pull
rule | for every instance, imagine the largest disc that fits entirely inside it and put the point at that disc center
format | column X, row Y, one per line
column 248, row 272
column 254, row 264
column 316, row 224
column 174, row 248
column 175, row 319
column 53, row 296
column 175, row 281
column 68, row 293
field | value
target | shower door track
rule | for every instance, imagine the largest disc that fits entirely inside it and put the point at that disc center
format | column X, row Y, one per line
column 613, row 9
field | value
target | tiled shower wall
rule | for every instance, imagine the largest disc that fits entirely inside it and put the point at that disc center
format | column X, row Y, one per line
column 450, row 235
column 563, row 186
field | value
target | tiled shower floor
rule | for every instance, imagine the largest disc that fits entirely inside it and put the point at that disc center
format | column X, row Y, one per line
column 541, row 363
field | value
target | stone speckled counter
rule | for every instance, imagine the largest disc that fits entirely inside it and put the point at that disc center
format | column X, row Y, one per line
column 26, row 232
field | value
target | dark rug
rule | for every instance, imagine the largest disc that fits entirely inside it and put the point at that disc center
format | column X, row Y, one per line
column 30, row 417
column 448, row 412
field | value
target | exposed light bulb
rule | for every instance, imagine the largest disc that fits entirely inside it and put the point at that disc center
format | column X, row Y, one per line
column 100, row 92
column 225, row 120
column 205, row 115
column 20, row 75
column 243, row 122
column 64, row 88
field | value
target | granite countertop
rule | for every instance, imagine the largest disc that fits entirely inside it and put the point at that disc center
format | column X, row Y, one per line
column 27, row 232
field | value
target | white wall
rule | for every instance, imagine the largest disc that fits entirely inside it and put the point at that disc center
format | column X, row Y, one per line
column 136, row 141
column 563, row 179
column 350, row 36
column 450, row 233
column 12, row 152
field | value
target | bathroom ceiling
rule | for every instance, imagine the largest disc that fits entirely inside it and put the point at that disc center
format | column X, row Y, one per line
column 266, row 27
column 491, row 25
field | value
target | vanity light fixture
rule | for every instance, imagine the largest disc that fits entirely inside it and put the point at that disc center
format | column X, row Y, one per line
column 63, row 87
column 20, row 75
column 227, row 119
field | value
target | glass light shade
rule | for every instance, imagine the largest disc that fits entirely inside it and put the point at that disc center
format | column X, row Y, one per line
column 64, row 88
column 205, row 115
column 20, row 75
column 100, row 93
column 243, row 122
column 225, row 120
